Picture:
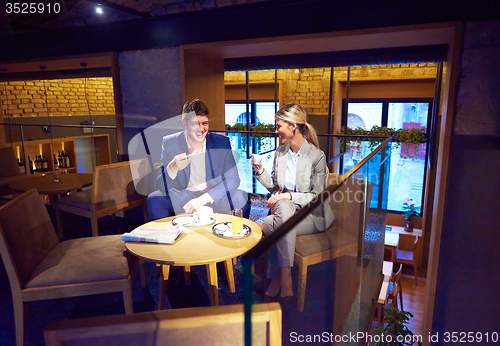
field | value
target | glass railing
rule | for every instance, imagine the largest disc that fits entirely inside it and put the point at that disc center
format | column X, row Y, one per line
column 246, row 144
column 337, row 273
column 43, row 147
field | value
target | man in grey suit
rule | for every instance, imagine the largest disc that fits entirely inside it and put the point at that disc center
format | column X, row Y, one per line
column 197, row 168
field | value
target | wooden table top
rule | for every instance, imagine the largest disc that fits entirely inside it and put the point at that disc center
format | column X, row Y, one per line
column 401, row 230
column 198, row 245
column 45, row 184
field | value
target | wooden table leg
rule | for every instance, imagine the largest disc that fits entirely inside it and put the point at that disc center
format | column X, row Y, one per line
column 187, row 275
column 213, row 285
column 165, row 270
column 142, row 269
column 230, row 275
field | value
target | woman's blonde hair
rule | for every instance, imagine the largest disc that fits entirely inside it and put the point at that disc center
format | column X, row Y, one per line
column 293, row 113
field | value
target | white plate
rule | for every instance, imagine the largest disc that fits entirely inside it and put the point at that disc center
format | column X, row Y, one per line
column 188, row 220
column 223, row 230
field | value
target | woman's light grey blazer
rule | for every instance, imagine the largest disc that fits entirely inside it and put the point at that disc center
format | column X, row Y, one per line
column 312, row 174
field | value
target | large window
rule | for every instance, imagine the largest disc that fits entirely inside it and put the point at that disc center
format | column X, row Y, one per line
column 246, row 145
column 407, row 168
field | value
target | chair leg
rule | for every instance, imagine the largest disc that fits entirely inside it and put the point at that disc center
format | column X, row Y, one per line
column 401, row 297
column 415, row 272
column 19, row 321
column 302, row 280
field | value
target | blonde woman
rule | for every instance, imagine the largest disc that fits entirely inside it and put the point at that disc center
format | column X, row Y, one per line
column 299, row 174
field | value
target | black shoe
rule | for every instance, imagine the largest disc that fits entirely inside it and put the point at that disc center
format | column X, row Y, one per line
column 285, row 300
column 269, row 299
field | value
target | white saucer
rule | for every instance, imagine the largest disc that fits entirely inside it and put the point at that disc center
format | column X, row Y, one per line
column 223, row 229
column 188, row 220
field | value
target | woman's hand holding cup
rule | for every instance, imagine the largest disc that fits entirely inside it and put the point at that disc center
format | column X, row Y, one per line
column 257, row 163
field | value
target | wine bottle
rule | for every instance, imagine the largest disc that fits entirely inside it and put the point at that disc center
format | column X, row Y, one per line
column 37, row 163
column 45, row 164
column 22, row 168
column 68, row 163
column 31, row 165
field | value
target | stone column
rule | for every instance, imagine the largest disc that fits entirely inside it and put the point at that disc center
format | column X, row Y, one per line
column 151, row 87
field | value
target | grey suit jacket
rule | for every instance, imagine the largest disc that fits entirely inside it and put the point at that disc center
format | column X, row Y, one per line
column 312, row 174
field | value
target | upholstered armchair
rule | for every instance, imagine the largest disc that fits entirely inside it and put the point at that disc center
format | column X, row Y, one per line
column 340, row 239
column 113, row 190
column 40, row 267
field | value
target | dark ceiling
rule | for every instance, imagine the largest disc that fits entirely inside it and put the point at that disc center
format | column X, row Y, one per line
column 77, row 13
column 148, row 24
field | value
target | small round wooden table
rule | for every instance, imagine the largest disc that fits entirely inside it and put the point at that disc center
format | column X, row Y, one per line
column 197, row 246
column 45, row 184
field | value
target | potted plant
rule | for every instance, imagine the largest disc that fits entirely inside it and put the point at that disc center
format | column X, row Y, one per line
column 409, row 211
column 394, row 330
column 415, row 136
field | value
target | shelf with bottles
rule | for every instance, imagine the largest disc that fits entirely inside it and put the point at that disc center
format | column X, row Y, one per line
column 71, row 154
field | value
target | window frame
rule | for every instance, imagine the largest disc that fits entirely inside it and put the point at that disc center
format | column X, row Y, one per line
column 384, row 120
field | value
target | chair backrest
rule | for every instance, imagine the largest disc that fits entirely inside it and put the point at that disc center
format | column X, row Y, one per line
column 396, row 276
column 113, row 184
column 8, row 163
column 396, row 283
column 215, row 325
column 26, row 236
column 407, row 242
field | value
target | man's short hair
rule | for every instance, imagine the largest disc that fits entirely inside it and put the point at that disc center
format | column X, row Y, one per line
column 196, row 106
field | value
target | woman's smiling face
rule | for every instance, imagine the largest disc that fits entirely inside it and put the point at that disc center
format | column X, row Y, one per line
column 285, row 131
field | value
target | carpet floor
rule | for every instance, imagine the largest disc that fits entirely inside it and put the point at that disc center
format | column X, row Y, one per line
column 316, row 319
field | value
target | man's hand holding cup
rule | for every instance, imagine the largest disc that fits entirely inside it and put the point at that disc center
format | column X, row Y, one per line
column 179, row 162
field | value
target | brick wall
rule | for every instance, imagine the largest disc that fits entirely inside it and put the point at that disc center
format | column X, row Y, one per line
column 310, row 86
column 64, row 97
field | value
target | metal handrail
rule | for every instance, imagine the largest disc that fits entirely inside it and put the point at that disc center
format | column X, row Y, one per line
column 68, row 125
column 248, row 258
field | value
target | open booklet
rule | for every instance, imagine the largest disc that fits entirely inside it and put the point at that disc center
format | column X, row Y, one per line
column 159, row 235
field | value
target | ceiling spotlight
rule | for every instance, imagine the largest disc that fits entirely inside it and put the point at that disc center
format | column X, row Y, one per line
column 98, row 9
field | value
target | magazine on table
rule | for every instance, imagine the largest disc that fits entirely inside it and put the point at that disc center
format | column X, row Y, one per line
column 160, row 235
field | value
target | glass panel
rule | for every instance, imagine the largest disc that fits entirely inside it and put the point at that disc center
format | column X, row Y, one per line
column 364, row 115
column 408, row 163
column 235, row 113
column 265, row 112
column 247, row 144
column 339, row 294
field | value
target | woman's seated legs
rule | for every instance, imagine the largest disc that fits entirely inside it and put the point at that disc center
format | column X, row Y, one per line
column 280, row 257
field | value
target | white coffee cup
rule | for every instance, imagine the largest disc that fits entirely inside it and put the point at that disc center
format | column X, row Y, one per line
column 203, row 215
column 257, row 159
